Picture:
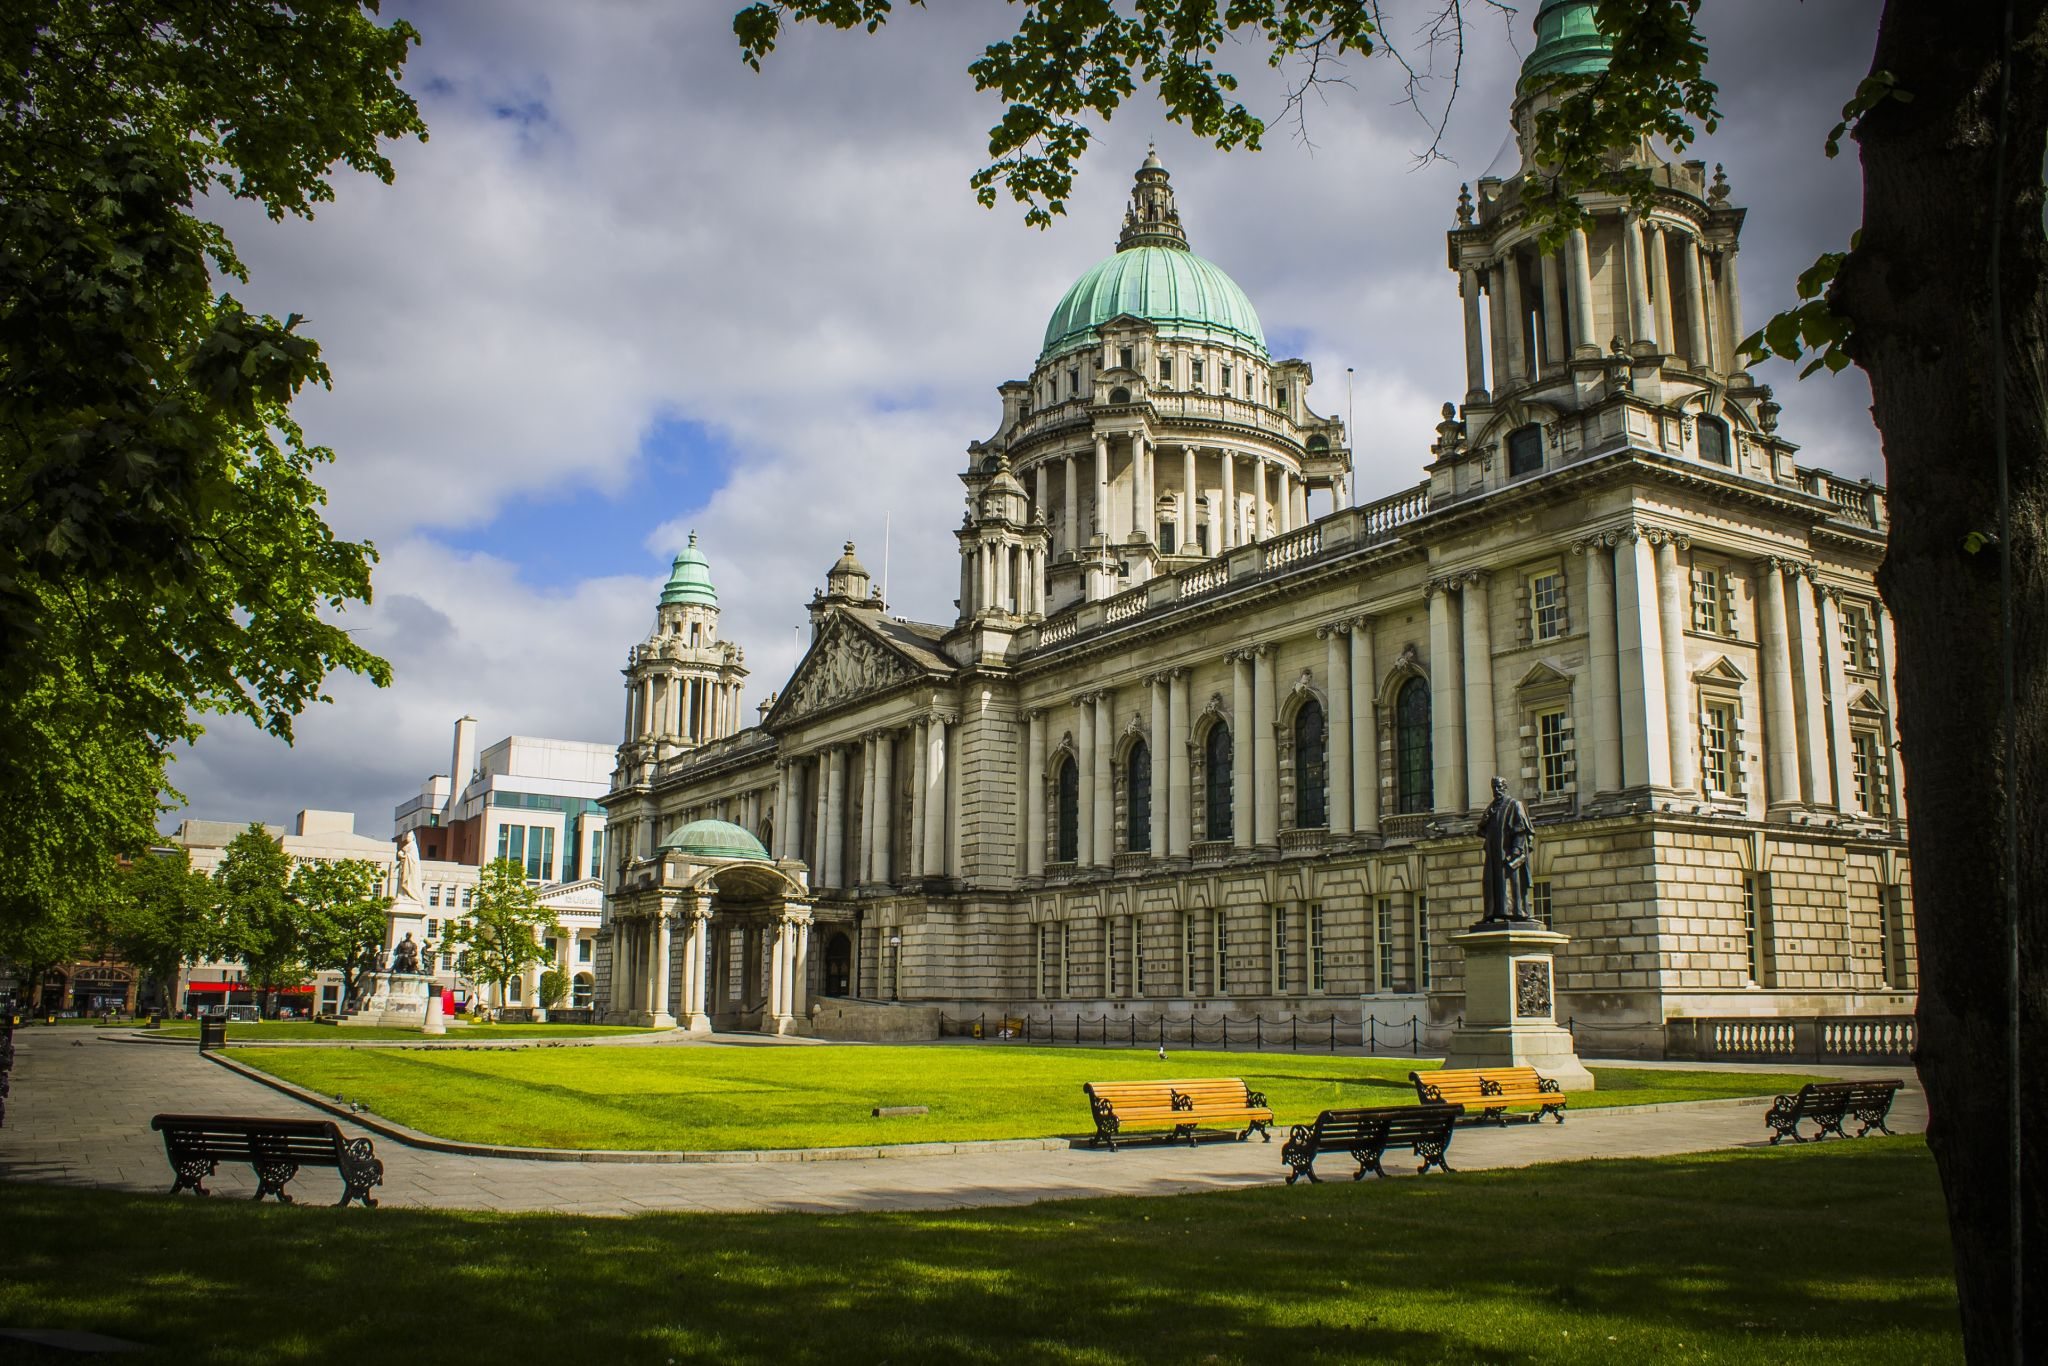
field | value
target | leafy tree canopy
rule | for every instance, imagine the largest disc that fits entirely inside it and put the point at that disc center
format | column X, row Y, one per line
column 258, row 918
column 343, row 917
column 163, row 915
column 162, row 547
column 501, row 937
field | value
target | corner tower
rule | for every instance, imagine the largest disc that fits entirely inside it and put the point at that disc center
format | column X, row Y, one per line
column 683, row 684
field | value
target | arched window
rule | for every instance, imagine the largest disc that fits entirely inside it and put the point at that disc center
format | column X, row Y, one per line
column 1525, row 450
column 1067, row 824
column 1120, row 394
column 581, row 991
column 1138, row 788
column 1216, row 776
column 1714, row 441
column 1411, row 747
column 1311, row 768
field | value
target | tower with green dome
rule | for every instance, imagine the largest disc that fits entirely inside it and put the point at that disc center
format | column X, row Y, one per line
column 1156, row 431
column 684, row 686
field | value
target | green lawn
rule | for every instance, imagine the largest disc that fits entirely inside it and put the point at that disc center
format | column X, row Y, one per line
column 248, row 1034
column 1819, row 1255
column 731, row 1098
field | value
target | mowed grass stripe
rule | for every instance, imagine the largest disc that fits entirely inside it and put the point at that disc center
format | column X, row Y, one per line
column 1818, row 1255
column 721, row 1099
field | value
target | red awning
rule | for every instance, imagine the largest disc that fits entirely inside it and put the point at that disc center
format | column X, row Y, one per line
column 244, row 986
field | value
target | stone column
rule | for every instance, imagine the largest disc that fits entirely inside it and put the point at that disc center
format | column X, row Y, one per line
column 1640, row 325
column 1482, row 762
column 1887, row 666
column 1265, row 751
column 1518, row 318
column 1581, row 261
column 885, row 808
column 1645, row 737
column 1678, row 708
column 1446, row 701
column 1162, row 790
column 1189, row 542
column 1695, row 305
column 1365, row 743
column 1103, row 523
column 1505, row 372
column 1071, row 523
column 1475, row 338
column 771, row 949
column 1283, row 512
column 920, row 769
column 865, row 871
column 1038, row 507
column 1227, row 538
column 835, row 818
column 1084, row 780
column 821, row 814
column 1105, row 802
column 1034, row 795
column 1141, row 500
column 1337, row 678
column 1774, row 646
column 1715, row 337
column 937, row 815
column 1241, row 728
column 1660, row 281
column 1259, row 499
column 800, row 994
column 1731, row 309
column 1603, row 687
column 1179, row 780
column 1553, row 312
column 1814, row 769
column 658, row 1010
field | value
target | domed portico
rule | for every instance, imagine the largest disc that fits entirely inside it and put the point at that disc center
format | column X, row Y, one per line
column 710, row 934
column 1156, row 429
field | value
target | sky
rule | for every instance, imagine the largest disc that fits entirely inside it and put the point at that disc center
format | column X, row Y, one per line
column 629, row 288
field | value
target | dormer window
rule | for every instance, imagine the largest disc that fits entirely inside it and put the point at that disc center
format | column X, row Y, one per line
column 1714, row 441
column 1280, row 396
column 1525, row 451
column 1124, row 357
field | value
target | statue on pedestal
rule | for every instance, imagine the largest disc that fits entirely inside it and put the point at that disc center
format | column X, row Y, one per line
column 1507, row 834
column 405, row 959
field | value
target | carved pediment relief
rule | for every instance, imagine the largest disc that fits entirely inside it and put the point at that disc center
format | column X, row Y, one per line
column 846, row 664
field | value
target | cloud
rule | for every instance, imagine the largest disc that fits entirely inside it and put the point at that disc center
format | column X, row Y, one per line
column 630, row 289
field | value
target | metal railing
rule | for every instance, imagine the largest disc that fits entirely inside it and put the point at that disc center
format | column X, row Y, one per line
column 1254, row 1032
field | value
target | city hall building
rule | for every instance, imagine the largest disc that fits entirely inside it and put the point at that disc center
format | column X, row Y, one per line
column 1205, row 737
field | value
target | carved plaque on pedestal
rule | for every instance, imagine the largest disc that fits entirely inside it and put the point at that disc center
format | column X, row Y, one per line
column 1532, row 989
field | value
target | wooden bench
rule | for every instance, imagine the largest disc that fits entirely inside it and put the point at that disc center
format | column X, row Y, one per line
column 275, row 1148
column 1177, row 1107
column 1492, row 1091
column 1424, row 1130
column 1830, row 1104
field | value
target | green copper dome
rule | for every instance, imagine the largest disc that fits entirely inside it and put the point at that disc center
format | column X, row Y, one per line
column 714, row 839
column 690, row 579
column 1184, row 295
column 1567, row 42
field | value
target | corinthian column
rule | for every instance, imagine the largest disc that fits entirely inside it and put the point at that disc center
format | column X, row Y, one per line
column 1365, row 748
column 1240, row 750
column 1645, row 733
column 835, row 818
column 1678, row 709
column 1446, row 702
column 1227, row 539
column 1084, row 786
column 1103, row 527
column 938, row 815
column 1034, row 795
column 1105, row 806
column 1581, row 260
column 1481, row 761
column 1161, row 811
column 659, row 1015
column 1813, row 719
column 1266, row 758
column 885, row 806
column 1781, row 740
column 1660, row 281
column 1179, row 780
column 1475, row 338
column 1603, row 690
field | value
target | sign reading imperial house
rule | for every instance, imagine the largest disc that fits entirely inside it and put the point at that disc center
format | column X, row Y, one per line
column 1203, row 736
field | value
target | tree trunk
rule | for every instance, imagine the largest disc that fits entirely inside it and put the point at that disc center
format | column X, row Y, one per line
column 1919, row 292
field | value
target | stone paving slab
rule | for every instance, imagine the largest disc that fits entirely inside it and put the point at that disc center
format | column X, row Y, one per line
column 79, row 1116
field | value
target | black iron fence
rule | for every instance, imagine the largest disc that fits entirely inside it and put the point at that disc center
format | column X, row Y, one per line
column 1413, row 1037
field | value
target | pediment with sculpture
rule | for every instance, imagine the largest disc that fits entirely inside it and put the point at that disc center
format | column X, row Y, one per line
column 846, row 664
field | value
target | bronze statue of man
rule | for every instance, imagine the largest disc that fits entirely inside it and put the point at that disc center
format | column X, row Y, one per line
column 405, row 959
column 1506, row 832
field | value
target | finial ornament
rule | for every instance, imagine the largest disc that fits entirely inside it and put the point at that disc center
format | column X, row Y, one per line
column 1718, row 195
column 1465, row 206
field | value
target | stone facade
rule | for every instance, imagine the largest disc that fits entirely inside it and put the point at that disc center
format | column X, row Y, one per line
column 1204, row 736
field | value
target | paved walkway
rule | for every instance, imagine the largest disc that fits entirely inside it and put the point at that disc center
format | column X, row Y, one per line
column 79, row 1115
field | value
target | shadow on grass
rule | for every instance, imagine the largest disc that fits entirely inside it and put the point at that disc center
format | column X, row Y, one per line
column 1819, row 1255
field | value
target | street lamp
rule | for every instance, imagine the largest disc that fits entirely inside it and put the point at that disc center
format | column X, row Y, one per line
column 895, row 966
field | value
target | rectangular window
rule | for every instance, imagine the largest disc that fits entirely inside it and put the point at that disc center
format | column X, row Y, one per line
column 1219, row 947
column 1706, row 601
column 1422, row 963
column 1279, row 950
column 1226, row 379
column 1717, row 755
column 1074, row 381
column 1752, row 945
column 1195, row 371
column 1546, row 606
column 448, row 962
column 1553, row 752
column 1124, row 357
column 468, row 897
column 433, row 894
column 1044, row 963
column 735, row 964
column 512, row 843
column 1316, row 979
column 1868, row 757
column 1859, row 640
column 1280, row 396
column 1166, row 369
column 1539, row 901
column 433, row 929
column 1136, row 940
column 1066, row 963
column 583, row 950
column 1385, row 943
column 547, row 944
column 1108, row 957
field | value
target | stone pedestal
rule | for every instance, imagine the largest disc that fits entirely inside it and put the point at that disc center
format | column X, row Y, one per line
column 435, row 1023
column 398, row 999
column 1510, row 1004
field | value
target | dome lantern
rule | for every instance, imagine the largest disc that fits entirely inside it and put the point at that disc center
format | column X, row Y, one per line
column 689, row 579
